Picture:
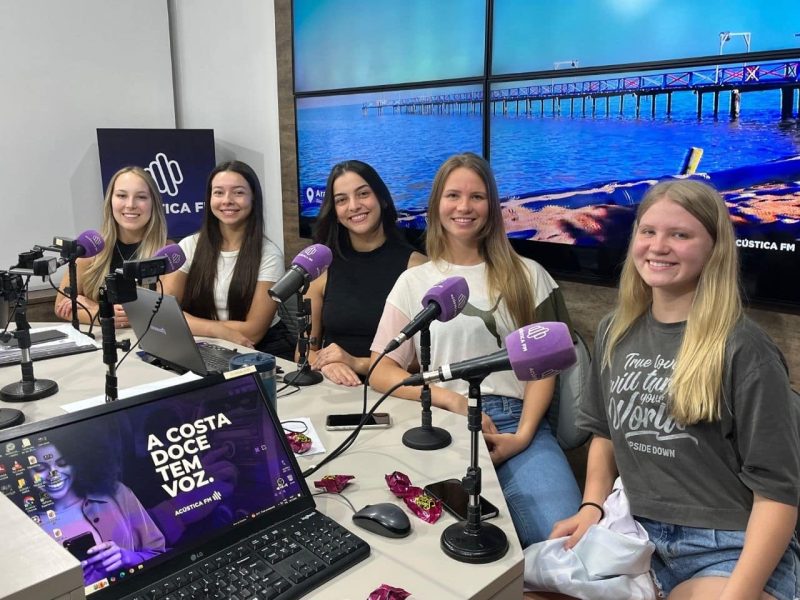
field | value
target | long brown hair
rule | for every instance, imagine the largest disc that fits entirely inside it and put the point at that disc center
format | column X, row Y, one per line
column 696, row 383
column 506, row 275
column 155, row 234
column 329, row 231
column 198, row 298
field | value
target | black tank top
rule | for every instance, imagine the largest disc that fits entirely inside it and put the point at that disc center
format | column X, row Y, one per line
column 356, row 292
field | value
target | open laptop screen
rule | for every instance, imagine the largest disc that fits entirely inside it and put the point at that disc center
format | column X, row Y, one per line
column 126, row 490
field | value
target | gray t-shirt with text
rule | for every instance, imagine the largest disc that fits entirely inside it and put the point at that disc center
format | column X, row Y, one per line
column 701, row 475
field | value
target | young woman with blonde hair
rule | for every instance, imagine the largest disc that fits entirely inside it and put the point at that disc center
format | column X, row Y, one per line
column 134, row 227
column 690, row 402
column 466, row 238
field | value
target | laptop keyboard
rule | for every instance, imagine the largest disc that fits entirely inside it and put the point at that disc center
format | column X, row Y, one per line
column 282, row 562
column 216, row 358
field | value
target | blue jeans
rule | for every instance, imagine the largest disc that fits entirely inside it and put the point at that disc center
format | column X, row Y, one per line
column 537, row 483
column 686, row 552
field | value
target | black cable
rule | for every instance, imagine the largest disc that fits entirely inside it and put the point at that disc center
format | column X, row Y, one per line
column 353, row 435
column 92, row 317
column 286, row 395
column 147, row 329
column 340, row 494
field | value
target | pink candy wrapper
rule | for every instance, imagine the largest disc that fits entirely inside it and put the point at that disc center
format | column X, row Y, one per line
column 300, row 443
column 387, row 592
column 425, row 506
column 333, row 483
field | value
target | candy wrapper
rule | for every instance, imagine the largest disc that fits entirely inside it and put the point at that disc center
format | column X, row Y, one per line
column 387, row 592
column 333, row 483
column 425, row 506
column 299, row 442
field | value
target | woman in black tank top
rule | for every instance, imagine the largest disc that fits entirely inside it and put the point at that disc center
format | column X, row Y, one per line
column 357, row 222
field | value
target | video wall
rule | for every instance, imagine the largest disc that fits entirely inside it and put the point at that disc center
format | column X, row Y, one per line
column 580, row 107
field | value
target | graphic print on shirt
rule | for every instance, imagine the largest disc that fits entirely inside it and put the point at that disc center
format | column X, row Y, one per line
column 488, row 318
column 638, row 406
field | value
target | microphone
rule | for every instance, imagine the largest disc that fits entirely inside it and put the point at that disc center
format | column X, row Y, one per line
column 306, row 267
column 165, row 260
column 87, row 244
column 534, row 352
column 443, row 301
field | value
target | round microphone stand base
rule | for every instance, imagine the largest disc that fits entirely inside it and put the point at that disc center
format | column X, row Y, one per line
column 427, row 438
column 466, row 544
column 302, row 377
column 22, row 391
column 9, row 417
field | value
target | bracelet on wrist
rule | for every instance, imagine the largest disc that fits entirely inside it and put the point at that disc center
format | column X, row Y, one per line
column 595, row 505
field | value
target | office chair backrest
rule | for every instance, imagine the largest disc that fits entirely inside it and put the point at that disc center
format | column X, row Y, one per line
column 566, row 399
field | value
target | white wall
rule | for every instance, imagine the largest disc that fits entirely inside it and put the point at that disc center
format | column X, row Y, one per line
column 67, row 68
column 226, row 80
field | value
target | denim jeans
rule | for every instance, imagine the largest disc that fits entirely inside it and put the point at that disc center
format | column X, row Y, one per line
column 686, row 552
column 537, row 483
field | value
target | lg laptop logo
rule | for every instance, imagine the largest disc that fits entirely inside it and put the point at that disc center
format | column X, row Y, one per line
column 166, row 173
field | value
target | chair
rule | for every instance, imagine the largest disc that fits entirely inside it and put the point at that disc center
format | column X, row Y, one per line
column 287, row 311
column 566, row 399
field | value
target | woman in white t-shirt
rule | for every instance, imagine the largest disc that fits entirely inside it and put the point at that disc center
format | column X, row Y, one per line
column 466, row 238
column 231, row 265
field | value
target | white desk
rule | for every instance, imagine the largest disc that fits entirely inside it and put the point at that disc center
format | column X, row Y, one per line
column 415, row 563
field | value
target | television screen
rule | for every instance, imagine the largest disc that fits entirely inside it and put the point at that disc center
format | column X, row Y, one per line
column 404, row 135
column 535, row 35
column 587, row 104
column 353, row 43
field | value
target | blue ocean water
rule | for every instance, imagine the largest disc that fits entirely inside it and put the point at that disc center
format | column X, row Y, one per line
column 532, row 153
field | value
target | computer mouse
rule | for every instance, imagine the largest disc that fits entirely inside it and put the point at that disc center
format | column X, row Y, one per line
column 386, row 519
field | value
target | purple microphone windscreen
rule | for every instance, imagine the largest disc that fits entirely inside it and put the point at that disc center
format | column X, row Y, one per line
column 540, row 350
column 174, row 255
column 314, row 260
column 91, row 241
column 450, row 294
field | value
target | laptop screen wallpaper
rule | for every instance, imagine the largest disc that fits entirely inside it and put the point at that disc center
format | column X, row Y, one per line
column 126, row 490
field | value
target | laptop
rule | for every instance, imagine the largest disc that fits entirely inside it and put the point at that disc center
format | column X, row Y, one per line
column 190, row 490
column 169, row 338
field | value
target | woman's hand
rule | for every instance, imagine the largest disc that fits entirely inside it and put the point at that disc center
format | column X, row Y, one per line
column 576, row 525
column 64, row 307
column 333, row 353
column 457, row 403
column 342, row 374
column 109, row 557
column 503, row 446
column 120, row 317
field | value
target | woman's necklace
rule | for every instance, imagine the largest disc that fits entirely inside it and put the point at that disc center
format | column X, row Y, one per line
column 121, row 255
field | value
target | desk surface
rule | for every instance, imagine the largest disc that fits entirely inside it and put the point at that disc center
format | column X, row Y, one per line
column 415, row 563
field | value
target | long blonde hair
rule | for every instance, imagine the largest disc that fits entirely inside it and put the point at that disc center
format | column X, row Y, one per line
column 155, row 235
column 506, row 276
column 696, row 384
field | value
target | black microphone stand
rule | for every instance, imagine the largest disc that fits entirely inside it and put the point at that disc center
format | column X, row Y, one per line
column 426, row 436
column 28, row 388
column 304, row 375
column 110, row 344
column 474, row 541
column 73, row 291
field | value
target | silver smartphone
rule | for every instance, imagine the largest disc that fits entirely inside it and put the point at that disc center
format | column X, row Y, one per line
column 351, row 421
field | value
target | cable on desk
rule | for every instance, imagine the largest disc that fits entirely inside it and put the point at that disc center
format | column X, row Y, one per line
column 352, row 437
column 340, row 494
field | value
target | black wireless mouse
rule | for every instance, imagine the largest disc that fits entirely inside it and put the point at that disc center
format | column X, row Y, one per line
column 385, row 519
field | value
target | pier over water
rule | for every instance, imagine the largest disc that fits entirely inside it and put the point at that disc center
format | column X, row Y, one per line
column 608, row 95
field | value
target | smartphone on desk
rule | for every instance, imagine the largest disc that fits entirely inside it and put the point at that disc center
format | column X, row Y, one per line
column 454, row 499
column 79, row 545
column 351, row 421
